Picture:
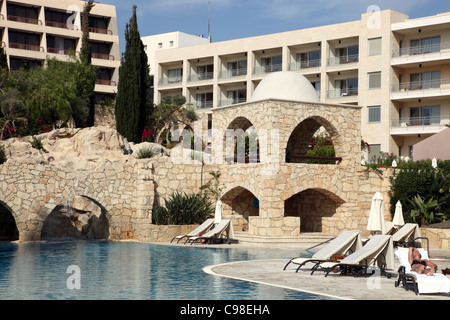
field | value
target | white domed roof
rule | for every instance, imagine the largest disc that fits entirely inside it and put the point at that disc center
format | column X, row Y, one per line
column 285, row 86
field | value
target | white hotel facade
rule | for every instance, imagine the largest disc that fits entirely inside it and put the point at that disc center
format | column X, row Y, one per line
column 396, row 68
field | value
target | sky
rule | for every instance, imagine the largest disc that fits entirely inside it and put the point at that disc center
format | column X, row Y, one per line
column 234, row 19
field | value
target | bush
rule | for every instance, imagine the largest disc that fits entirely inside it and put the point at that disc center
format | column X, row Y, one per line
column 421, row 179
column 2, row 155
column 145, row 153
column 181, row 209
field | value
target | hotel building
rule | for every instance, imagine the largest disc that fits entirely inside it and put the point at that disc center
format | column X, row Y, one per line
column 33, row 30
column 397, row 69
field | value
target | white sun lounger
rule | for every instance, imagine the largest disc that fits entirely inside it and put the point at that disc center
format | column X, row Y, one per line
column 204, row 227
column 215, row 233
column 368, row 255
column 407, row 232
column 342, row 244
column 422, row 284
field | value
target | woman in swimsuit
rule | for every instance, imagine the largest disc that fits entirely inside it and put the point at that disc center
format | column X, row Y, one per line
column 419, row 265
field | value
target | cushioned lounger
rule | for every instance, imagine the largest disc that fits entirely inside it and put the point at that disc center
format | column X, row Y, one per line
column 342, row 244
column 369, row 254
column 409, row 230
column 215, row 233
column 204, row 227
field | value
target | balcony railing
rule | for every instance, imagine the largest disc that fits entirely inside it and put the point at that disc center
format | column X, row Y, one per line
column 305, row 64
column 335, row 61
column 342, row 93
column 421, row 121
column 62, row 51
column 105, row 82
column 171, row 80
column 60, row 25
column 431, row 48
column 203, row 104
column 101, row 31
column 229, row 102
column 233, row 73
column 102, row 56
column 25, row 20
column 201, row 76
column 420, row 85
column 24, row 46
column 267, row 69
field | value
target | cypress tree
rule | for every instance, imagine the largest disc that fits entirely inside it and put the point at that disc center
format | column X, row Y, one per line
column 132, row 101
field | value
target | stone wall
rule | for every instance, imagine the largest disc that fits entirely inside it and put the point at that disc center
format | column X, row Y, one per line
column 439, row 238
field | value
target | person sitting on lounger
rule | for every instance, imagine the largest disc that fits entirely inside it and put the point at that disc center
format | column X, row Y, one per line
column 419, row 265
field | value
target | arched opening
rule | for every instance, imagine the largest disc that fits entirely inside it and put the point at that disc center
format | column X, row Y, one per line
column 241, row 142
column 8, row 227
column 312, row 141
column 77, row 218
column 239, row 204
column 311, row 206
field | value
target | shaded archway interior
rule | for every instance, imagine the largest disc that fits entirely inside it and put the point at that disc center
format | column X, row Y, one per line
column 77, row 218
column 8, row 226
column 300, row 139
column 245, row 148
column 311, row 206
column 241, row 204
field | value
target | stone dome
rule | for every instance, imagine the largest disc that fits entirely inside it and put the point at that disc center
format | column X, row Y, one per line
column 285, row 86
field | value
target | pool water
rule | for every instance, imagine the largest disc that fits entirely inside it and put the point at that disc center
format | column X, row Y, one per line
column 137, row 271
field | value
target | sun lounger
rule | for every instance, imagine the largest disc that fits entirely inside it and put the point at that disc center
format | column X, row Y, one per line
column 406, row 233
column 347, row 241
column 421, row 283
column 377, row 251
column 204, row 227
column 215, row 234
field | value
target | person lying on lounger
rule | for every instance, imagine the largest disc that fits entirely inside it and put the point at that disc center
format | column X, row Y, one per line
column 419, row 265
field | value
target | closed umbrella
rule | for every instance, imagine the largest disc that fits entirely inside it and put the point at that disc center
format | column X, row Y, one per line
column 376, row 222
column 398, row 216
column 218, row 212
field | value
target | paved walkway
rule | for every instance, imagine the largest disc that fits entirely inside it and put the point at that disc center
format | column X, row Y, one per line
column 271, row 272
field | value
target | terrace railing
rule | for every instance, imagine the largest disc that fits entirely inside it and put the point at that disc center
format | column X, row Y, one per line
column 426, row 49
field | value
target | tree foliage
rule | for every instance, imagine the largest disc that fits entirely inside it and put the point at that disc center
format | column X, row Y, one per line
column 133, row 103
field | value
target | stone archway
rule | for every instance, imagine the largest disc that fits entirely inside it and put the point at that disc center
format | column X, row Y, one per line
column 301, row 137
column 311, row 205
column 239, row 204
column 78, row 218
column 241, row 142
column 8, row 227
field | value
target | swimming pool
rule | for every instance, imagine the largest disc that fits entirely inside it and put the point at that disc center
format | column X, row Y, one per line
column 135, row 271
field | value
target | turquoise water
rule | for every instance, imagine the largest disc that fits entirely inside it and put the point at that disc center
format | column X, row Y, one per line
column 137, row 271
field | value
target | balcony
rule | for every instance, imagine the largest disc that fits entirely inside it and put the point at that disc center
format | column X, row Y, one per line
column 420, row 89
column 100, row 31
column 267, row 69
column 229, row 102
column 62, row 51
column 233, row 73
column 170, row 81
column 25, row 20
column 419, row 125
column 203, row 104
column 201, row 76
column 60, row 25
column 310, row 64
column 103, row 56
column 23, row 46
column 342, row 93
column 105, row 82
column 343, row 60
column 418, row 54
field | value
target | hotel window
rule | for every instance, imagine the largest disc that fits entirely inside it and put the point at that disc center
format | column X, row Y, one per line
column 316, row 85
column 237, row 68
column 204, row 100
column 308, row 59
column 271, row 64
column 426, row 45
column 425, row 115
column 236, row 96
column 374, row 46
column 374, row 114
column 425, row 80
column 347, row 54
column 205, row 72
column 175, row 75
column 374, row 80
column 346, row 87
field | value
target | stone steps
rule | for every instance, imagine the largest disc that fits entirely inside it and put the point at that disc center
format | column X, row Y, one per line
column 307, row 239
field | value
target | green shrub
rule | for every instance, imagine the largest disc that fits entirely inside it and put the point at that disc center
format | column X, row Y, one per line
column 37, row 144
column 181, row 209
column 2, row 155
column 145, row 153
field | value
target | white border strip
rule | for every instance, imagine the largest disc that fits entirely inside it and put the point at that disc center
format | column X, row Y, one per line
column 208, row 270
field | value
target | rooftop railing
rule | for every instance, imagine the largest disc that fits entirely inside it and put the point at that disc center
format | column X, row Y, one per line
column 431, row 48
